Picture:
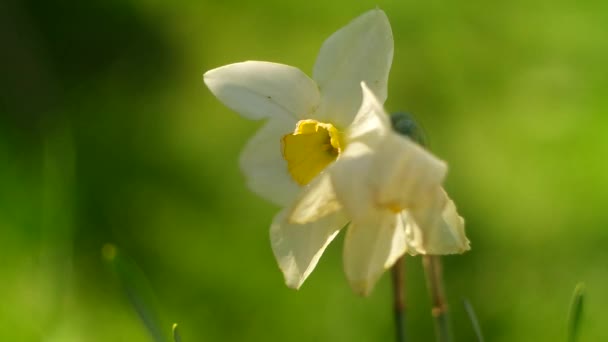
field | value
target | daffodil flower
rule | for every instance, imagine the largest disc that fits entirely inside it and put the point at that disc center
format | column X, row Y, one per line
column 389, row 188
column 317, row 157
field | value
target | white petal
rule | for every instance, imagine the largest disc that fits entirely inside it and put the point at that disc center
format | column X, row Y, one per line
column 371, row 246
column 259, row 90
column 452, row 227
column 371, row 123
column 360, row 51
column 298, row 247
column 397, row 173
column 316, row 201
column 349, row 176
column 380, row 168
column 402, row 172
column 263, row 164
column 435, row 228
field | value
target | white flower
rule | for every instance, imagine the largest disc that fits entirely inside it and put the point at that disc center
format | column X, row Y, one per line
column 390, row 189
column 328, row 156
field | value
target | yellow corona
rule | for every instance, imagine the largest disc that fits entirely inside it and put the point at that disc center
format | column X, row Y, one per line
column 310, row 148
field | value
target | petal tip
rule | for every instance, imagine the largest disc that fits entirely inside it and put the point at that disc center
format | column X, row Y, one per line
column 207, row 77
column 294, row 284
column 361, row 287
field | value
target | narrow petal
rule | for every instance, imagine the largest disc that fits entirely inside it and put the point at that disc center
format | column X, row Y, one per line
column 349, row 174
column 298, row 247
column 435, row 228
column 360, row 51
column 264, row 166
column 371, row 246
column 453, row 228
column 316, row 201
column 259, row 90
column 371, row 123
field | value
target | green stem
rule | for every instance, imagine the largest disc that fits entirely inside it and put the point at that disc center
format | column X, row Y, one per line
column 399, row 298
column 434, row 278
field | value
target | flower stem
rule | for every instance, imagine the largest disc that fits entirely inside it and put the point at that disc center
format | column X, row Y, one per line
column 434, row 278
column 399, row 298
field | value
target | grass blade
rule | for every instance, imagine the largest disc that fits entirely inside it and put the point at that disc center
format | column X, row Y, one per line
column 576, row 311
column 137, row 290
column 176, row 336
column 473, row 317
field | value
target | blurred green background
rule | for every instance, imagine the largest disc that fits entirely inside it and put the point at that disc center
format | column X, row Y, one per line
column 108, row 135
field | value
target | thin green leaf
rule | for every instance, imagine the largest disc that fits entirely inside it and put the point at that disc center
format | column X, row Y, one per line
column 176, row 336
column 136, row 288
column 473, row 317
column 576, row 312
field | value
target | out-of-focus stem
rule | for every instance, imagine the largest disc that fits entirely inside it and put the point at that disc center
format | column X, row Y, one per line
column 398, row 275
column 434, row 279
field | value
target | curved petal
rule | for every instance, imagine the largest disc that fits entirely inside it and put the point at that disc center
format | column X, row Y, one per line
column 259, row 90
column 264, row 166
column 379, row 168
column 360, row 51
column 371, row 246
column 398, row 174
column 402, row 173
column 316, row 201
column 349, row 174
column 435, row 228
column 298, row 247
column 455, row 239
column 371, row 123
column 349, row 179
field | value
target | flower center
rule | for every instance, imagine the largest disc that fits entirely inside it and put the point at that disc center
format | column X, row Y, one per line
column 310, row 148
